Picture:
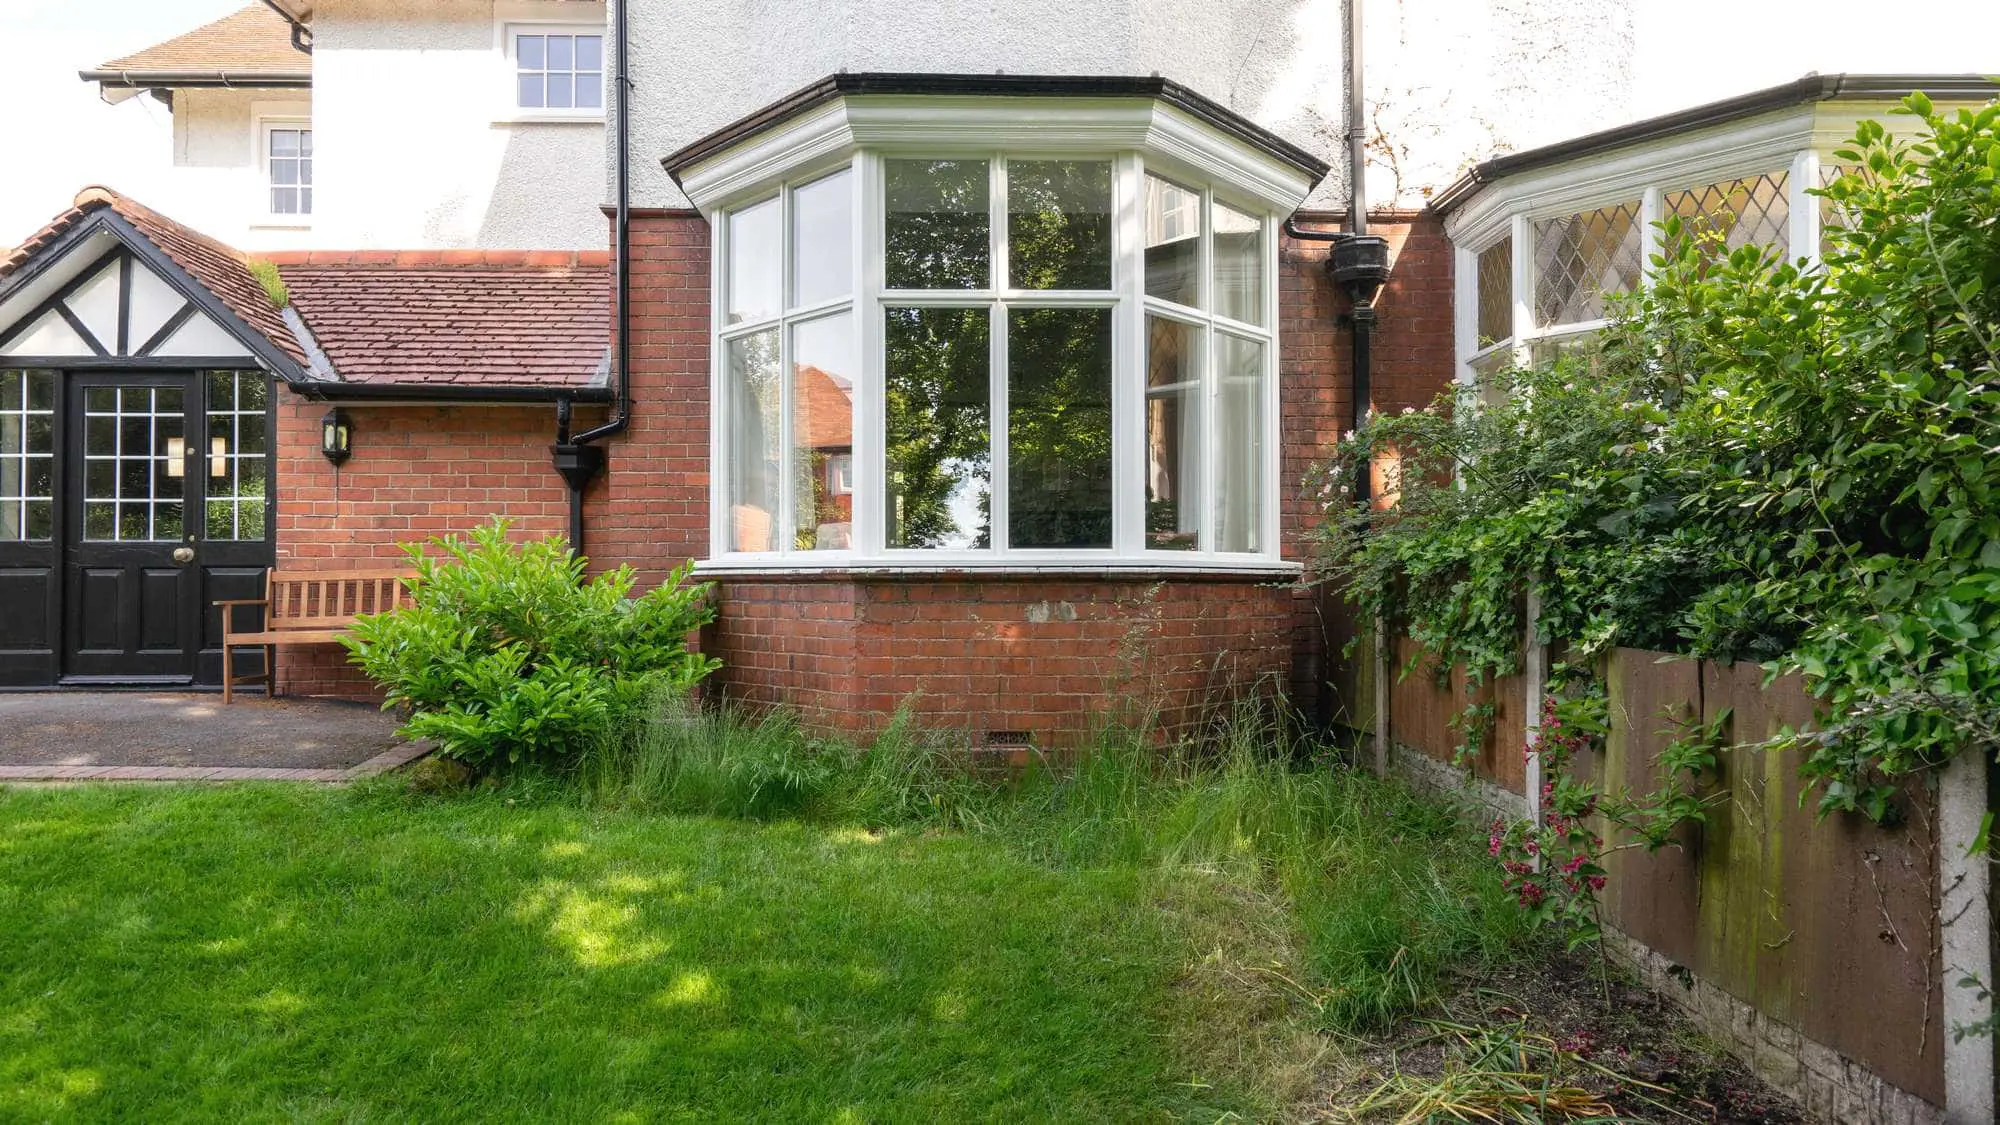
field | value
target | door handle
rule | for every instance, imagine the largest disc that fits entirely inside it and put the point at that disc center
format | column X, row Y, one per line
column 183, row 555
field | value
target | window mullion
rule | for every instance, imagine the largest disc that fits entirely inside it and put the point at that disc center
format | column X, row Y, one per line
column 997, row 481
column 870, row 397
column 1128, row 357
column 1204, row 492
column 785, row 534
column 1270, row 425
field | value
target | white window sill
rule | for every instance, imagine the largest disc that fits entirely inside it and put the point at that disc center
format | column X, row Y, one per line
column 280, row 224
column 1108, row 566
column 596, row 118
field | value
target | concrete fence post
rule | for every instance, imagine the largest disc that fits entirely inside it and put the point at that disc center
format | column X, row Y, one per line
column 1966, row 913
column 1534, row 683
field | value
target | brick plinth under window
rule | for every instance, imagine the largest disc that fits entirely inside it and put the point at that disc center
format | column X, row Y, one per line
column 1050, row 656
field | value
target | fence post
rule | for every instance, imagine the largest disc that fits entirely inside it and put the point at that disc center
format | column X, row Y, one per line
column 1381, row 698
column 1966, row 912
column 1534, row 677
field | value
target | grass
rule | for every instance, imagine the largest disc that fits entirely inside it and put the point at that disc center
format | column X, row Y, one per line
column 724, row 919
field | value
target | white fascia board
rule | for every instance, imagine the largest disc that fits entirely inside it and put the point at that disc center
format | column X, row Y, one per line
column 1762, row 144
column 945, row 126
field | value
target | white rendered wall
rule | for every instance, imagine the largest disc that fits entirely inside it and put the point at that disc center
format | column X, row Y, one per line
column 1458, row 79
column 217, row 185
column 414, row 146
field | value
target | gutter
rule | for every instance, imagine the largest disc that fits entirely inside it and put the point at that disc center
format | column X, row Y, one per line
column 578, row 458
column 186, row 79
column 334, row 391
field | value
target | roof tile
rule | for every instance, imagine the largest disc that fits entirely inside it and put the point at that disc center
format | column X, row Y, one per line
column 253, row 40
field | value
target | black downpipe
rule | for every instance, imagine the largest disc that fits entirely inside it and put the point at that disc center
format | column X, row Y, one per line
column 578, row 458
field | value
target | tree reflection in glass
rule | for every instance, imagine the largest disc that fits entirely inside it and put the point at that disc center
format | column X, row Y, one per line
column 937, row 226
column 1059, row 428
column 1059, row 224
column 939, row 428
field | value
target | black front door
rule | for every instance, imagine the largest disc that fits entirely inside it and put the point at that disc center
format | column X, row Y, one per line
column 132, row 591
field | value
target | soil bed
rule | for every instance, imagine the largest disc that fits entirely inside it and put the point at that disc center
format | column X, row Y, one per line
column 1510, row 1036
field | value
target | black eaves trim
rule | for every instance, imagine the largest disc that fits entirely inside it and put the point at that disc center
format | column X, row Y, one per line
column 322, row 390
column 997, row 85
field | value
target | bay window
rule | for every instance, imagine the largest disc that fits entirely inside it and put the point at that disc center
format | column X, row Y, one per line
column 971, row 359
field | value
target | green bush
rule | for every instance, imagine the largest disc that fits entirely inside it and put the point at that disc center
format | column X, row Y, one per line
column 506, row 652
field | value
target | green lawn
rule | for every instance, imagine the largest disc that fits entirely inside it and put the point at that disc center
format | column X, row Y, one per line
column 272, row 953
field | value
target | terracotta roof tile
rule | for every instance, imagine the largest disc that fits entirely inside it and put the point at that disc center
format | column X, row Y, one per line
column 254, row 40
column 493, row 318
column 222, row 270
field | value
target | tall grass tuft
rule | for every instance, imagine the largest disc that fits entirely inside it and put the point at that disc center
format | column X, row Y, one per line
column 1388, row 891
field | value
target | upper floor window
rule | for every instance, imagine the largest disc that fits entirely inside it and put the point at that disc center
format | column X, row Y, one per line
column 557, row 71
column 993, row 357
column 288, row 172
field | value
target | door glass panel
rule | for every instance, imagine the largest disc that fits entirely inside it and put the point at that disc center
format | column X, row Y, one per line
column 27, row 454
column 232, row 462
column 133, row 486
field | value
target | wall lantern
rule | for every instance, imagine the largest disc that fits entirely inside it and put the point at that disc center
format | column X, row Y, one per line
column 336, row 436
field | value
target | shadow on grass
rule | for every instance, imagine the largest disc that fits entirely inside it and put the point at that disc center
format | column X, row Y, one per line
column 262, row 952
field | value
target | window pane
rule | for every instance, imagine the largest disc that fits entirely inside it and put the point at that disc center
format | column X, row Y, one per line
column 1059, row 224
column 823, row 371
column 589, row 90
column 1059, row 428
column 1582, row 257
column 284, row 142
column 937, row 224
column 938, row 431
column 560, row 52
column 753, row 263
column 1173, row 241
column 590, row 52
column 1173, row 434
column 1239, row 265
column 1495, row 282
column 531, row 91
column 751, row 479
column 1239, row 443
column 284, row 171
column 559, row 91
column 306, row 143
column 284, row 201
column 823, row 240
column 528, row 51
column 1749, row 212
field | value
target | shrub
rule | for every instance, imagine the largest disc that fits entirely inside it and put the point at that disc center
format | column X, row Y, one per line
column 506, row 652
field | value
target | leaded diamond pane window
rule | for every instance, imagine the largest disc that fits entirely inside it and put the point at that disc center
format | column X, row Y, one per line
column 1496, row 292
column 1753, row 211
column 1582, row 258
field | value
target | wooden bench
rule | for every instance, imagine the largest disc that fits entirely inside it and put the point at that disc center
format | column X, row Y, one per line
column 304, row 608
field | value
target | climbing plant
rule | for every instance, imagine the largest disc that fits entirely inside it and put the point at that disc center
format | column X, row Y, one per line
column 1758, row 459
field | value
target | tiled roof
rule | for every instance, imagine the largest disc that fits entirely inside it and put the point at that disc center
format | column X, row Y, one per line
column 222, row 270
column 253, row 41
column 456, row 317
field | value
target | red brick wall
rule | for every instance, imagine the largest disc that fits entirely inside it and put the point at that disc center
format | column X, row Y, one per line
column 1050, row 655
column 416, row 472
column 851, row 648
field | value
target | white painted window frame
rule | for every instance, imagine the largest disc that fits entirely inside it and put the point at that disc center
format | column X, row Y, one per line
column 1126, row 297
column 508, row 29
column 264, row 123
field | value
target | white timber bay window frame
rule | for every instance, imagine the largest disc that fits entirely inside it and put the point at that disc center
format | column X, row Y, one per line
column 1005, row 344
column 1537, row 252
